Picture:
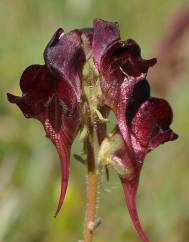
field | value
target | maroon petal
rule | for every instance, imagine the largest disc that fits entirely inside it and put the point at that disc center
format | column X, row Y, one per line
column 141, row 93
column 28, row 77
column 37, row 87
column 22, row 104
column 66, row 97
column 134, row 64
column 116, row 60
column 122, row 60
column 55, row 39
column 124, row 56
column 49, row 105
column 159, row 138
column 133, row 93
column 36, row 78
column 49, row 95
column 105, row 33
column 125, row 98
column 130, row 189
column 31, row 104
column 62, row 131
column 151, row 123
column 59, row 128
column 129, row 182
column 65, row 58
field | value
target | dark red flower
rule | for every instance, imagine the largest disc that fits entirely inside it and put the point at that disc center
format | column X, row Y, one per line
column 116, row 60
column 51, row 93
column 148, row 128
column 143, row 121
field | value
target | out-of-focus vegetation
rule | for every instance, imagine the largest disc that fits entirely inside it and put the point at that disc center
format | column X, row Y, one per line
column 29, row 165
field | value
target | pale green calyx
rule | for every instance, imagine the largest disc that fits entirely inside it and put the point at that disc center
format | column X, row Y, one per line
column 107, row 154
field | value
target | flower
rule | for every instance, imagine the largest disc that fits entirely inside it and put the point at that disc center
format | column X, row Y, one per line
column 51, row 93
column 148, row 128
column 143, row 121
column 65, row 99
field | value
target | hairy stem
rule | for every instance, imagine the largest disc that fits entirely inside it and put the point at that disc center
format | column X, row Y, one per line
column 90, row 213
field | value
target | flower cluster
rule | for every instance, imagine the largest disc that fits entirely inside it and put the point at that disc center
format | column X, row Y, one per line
column 54, row 94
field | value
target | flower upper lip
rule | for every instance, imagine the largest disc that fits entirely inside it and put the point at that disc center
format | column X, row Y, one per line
column 127, row 55
column 65, row 58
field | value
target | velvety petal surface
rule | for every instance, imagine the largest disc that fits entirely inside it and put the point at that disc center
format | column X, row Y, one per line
column 122, row 60
column 141, row 93
column 105, row 33
column 37, row 86
column 125, row 57
column 60, row 129
column 130, row 189
column 65, row 58
column 151, row 123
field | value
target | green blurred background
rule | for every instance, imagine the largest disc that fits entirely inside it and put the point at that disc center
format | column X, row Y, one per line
column 29, row 164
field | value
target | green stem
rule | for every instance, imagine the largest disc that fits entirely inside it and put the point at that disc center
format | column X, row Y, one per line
column 91, row 114
column 92, row 180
